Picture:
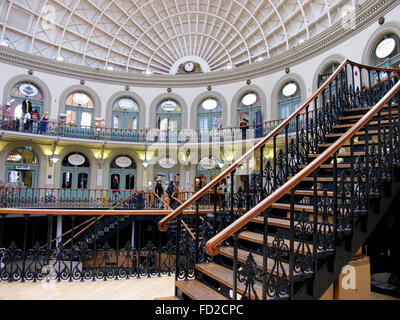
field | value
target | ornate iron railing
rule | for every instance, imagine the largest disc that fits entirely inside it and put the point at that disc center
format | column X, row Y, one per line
column 100, row 133
column 331, row 205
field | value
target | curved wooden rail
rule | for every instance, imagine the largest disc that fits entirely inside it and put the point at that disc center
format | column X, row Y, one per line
column 163, row 224
column 212, row 244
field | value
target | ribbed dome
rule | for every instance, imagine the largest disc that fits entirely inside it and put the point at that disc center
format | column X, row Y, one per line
column 156, row 35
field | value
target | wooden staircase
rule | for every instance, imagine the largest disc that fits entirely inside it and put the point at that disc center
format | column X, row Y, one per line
column 296, row 247
column 215, row 280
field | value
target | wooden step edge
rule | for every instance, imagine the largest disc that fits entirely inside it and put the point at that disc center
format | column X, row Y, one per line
column 339, row 155
column 363, row 109
column 297, row 207
column 227, row 280
column 242, row 258
column 349, row 125
column 347, row 144
column 197, row 290
column 384, row 114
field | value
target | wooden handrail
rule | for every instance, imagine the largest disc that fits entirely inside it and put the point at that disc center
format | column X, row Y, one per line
column 163, row 224
column 213, row 243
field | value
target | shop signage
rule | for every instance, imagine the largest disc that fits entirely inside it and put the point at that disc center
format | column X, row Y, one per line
column 22, row 167
column 76, row 159
column 166, row 163
column 123, row 162
column 208, row 163
column 28, row 90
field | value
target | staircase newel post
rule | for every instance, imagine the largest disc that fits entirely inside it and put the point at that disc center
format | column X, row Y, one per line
column 307, row 133
column 235, row 264
column 291, row 247
column 265, row 254
column 71, row 247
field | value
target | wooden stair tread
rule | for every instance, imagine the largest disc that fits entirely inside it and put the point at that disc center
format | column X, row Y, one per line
column 225, row 277
column 359, row 133
column 349, row 125
column 357, row 117
column 339, row 155
column 258, row 238
column 327, row 179
column 366, row 109
column 168, row 298
column 243, row 254
column 197, row 290
column 347, row 144
column 297, row 207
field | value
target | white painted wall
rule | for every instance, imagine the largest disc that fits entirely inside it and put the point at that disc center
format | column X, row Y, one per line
column 352, row 49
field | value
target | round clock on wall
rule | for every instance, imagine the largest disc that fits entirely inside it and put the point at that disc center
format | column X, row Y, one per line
column 189, row 66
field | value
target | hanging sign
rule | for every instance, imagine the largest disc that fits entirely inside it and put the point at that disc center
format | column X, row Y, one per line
column 126, row 104
column 80, row 98
column 123, row 162
column 208, row 163
column 385, row 48
column 76, row 159
column 289, row 90
column 169, row 106
column 166, row 163
column 28, row 90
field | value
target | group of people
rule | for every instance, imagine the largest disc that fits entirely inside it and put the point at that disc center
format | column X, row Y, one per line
column 159, row 191
column 31, row 122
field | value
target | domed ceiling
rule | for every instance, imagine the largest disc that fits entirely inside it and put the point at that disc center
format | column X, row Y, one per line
column 158, row 36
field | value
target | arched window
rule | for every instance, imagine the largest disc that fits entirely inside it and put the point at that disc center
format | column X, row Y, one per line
column 386, row 54
column 25, row 96
column 79, row 108
column 209, row 114
column 169, row 115
column 22, row 168
column 124, row 168
column 125, row 114
column 289, row 99
column 75, row 171
column 249, row 111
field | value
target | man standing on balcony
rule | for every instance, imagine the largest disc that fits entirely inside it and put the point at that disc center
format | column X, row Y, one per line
column 35, row 120
column 115, row 187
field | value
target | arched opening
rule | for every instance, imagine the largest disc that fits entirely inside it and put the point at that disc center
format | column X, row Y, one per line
column 75, row 176
column 79, row 109
column 125, row 114
column 386, row 53
column 169, row 115
column 25, row 102
column 289, row 99
column 250, row 115
column 22, row 168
